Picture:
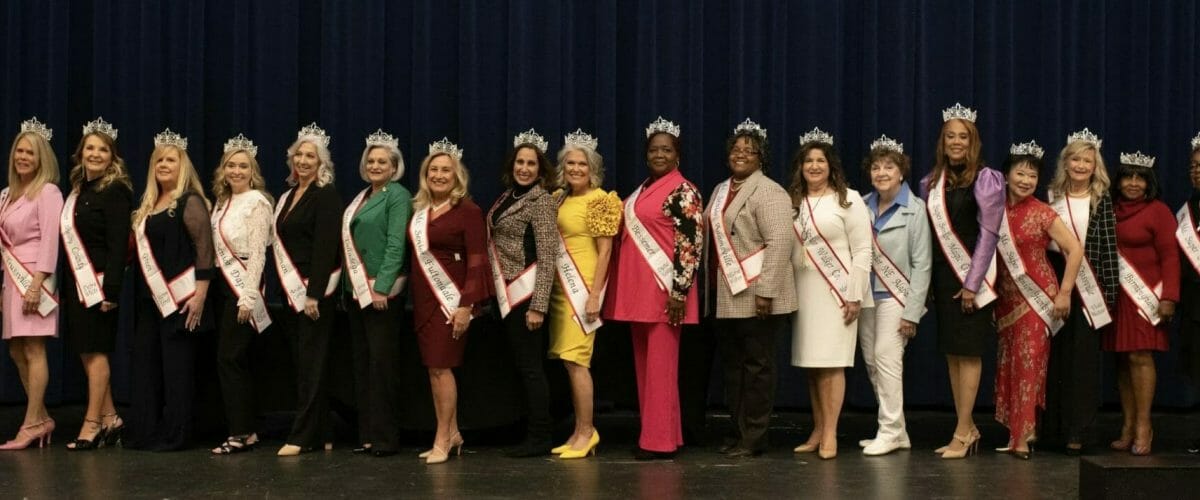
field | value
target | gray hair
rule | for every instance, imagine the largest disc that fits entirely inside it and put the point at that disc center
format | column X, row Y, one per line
column 595, row 165
column 393, row 152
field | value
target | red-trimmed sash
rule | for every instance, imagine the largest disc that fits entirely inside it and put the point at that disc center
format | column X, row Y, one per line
column 20, row 275
column 739, row 273
column 360, row 284
column 1189, row 240
column 573, row 285
column 88, row 283
column 1037, row 298
column 953, row 247
column 1145, row 297
column 232, row 267
column 295, row 286
column 888, row 273
column 648, row 247
column 443, row 287
column 520, row 289
column 821, row 253
column 167, row 295
column 1086, row 283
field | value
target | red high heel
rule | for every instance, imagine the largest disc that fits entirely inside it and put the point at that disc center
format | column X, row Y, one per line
column 39, row 432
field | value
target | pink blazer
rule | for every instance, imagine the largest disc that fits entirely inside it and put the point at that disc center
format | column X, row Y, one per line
column 30, row 228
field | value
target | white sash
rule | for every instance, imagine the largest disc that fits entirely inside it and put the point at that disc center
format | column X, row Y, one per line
column 1086, row 283
column 234, row 270
column 952, row 246
column 443, row 287
column 652, row 252
column 20, row 275
column 888, row 273
column 295, row 287
column 512, row 294
column 739, row 273
column 819, row 251
column 1189, row 241
column 360, row 284
column 1037, row 298
column 88, row 283
column 1143, row 296
column 167, row 296
column 575, row 288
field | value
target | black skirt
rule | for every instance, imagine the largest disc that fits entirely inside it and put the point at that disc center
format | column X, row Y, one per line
column 87, row 329
column 958, row 333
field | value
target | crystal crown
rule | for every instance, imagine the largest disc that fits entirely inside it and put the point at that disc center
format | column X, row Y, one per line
column 582, row 139
column 101, row 126
column 662, row 125
column 750, row 127
column 169, row 138
column 532, row 138
column 37, row 127
column 959, row 112
column 240, row 142
column 816, row 135
column 1026, row 148
column 885, row 142
column 1085, row 135
column 446, row 147
column 314, row 133
column 1137, row 159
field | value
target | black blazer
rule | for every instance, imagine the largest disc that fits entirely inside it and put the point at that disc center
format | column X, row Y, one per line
column 312, row 231
column 102, row 221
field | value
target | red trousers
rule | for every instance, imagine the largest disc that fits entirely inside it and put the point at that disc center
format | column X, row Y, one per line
column 656, row 357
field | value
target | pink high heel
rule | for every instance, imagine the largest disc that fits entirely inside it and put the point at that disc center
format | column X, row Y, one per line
column 39, row 432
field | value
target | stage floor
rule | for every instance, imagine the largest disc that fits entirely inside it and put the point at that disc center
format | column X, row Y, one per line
column 484, row 472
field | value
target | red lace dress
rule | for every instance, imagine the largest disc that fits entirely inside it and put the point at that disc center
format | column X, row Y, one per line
column 1024, row 339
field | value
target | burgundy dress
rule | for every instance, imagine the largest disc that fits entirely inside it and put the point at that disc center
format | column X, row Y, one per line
column 457, row 238
column 1146, row 238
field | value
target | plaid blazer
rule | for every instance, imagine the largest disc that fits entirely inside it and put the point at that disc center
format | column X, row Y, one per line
column 1100, row 248
column 533, row 219
column 759, row 216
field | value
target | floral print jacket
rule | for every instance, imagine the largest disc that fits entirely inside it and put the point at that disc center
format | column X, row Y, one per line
column 685, row 206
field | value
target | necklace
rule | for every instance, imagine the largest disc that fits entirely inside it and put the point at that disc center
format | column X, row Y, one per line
column 518, row 196
column 1079, row 194
column 439, row 206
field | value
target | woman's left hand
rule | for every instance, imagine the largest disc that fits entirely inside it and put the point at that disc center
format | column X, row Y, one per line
column 32, row 297
column 243, row 314
column 675, row 310
column 1062, row 305
column 533, row 320
column 1166, row 310
column 850, row 311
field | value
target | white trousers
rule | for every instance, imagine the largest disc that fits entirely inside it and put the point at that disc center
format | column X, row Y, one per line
column 883, row 353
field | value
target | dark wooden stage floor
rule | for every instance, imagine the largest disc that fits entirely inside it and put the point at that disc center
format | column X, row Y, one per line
column 484, row 472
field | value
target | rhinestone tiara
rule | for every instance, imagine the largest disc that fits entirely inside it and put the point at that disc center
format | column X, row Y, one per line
column 1137, row 159
column 816, row 135
column 37, row 127
column 885, row 142
column 314, row 133
column 384, row 139
column 661, row 125
column 1196, row 142
column 532, row 138
column 1026, row 148
column 446, row 147
column 101, row 126
column 581, row 139
column 958, row 112
column 750, row 127
column 169, row 138
column 240, row 142
column 1085, row 135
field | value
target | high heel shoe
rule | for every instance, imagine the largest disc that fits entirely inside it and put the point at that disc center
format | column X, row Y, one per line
column 113, row 431
column 970, row 444
column 289, row 450
column 437, row 455
column 807, row 448
column 97, row 440
column 1141, row 449
column 557, row 450
column 455, row 438
column 584, row 453
column 826, row 455
column 39, row 432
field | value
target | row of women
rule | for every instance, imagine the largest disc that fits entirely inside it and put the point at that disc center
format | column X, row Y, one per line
column 816, row 251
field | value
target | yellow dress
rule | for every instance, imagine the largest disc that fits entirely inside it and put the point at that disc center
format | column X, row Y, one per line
column 581, row 219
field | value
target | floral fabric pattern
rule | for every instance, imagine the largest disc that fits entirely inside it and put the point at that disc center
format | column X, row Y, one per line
column 685, row 206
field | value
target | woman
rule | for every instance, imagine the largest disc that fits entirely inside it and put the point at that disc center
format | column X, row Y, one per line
column 832, row 265
column 451, row 258
column 94, row 227
column 1029, row 306
column 29, row 211
column 1079, row 194
column 241, row 231
column 1149, row 267
column 174, row 247
column 374, row 228
column 1189, row 244
column 588, row 218
column 306, row 222
column 521, row 228
column 658, row 255
column 748, row 218
column 965, row 200
column 900, row 268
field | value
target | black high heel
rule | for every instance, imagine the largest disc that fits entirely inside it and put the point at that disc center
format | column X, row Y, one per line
column 81, row 444
column 112, row 433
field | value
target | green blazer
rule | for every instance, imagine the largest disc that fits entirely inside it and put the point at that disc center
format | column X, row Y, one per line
column 380, row 232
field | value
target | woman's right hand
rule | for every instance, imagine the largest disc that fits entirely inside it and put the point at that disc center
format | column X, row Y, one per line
column 460, row 320
column 311, row 308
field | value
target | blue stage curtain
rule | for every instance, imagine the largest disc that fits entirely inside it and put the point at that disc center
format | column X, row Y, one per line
column 478, row 72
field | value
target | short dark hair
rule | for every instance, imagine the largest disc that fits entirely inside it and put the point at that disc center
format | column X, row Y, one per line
column 1014, row 160
column 759, row 142
column 878, row 154
column 674, row 144
column 545, row 168
column 1146, row 173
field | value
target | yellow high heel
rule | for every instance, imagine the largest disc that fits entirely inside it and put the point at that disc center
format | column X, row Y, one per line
column 584, row 453
column 558, row 450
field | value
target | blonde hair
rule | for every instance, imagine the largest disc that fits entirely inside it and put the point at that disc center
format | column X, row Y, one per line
column 595, row 166
column 221, row 190
column 1061, row 181
column 114, row 173
column 47, row 167
column 393, row 153
column 188, row 182
column 324, row 171
column 423, row 198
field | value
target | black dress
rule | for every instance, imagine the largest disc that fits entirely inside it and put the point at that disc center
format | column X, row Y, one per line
column 958, row 333
column 102, row 222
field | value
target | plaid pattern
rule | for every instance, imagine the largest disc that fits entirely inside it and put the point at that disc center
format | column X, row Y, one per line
column 1101, row 248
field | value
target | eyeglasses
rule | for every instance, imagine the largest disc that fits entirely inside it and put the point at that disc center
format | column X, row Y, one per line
column 1195, row 165
column 744, row 152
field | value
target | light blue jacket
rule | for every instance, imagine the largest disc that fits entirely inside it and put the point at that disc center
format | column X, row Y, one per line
column 908, row 241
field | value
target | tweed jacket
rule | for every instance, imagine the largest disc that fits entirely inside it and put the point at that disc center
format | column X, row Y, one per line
column 1099, row 248
column 908, row 241
column 760, row 215
column 530, row 223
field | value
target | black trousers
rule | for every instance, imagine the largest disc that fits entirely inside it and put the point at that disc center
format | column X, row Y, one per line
column 309, row 341
column 163, row 387
column 1072, row 380
column 529, row 354
column 233, row 363
column 375, row 340
column 747, row 347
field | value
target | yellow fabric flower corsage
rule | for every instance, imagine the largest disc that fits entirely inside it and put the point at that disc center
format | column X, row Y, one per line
column 604, row 215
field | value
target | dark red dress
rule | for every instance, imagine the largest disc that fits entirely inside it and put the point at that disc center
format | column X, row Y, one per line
column 457, row 239
column 1146, row 238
